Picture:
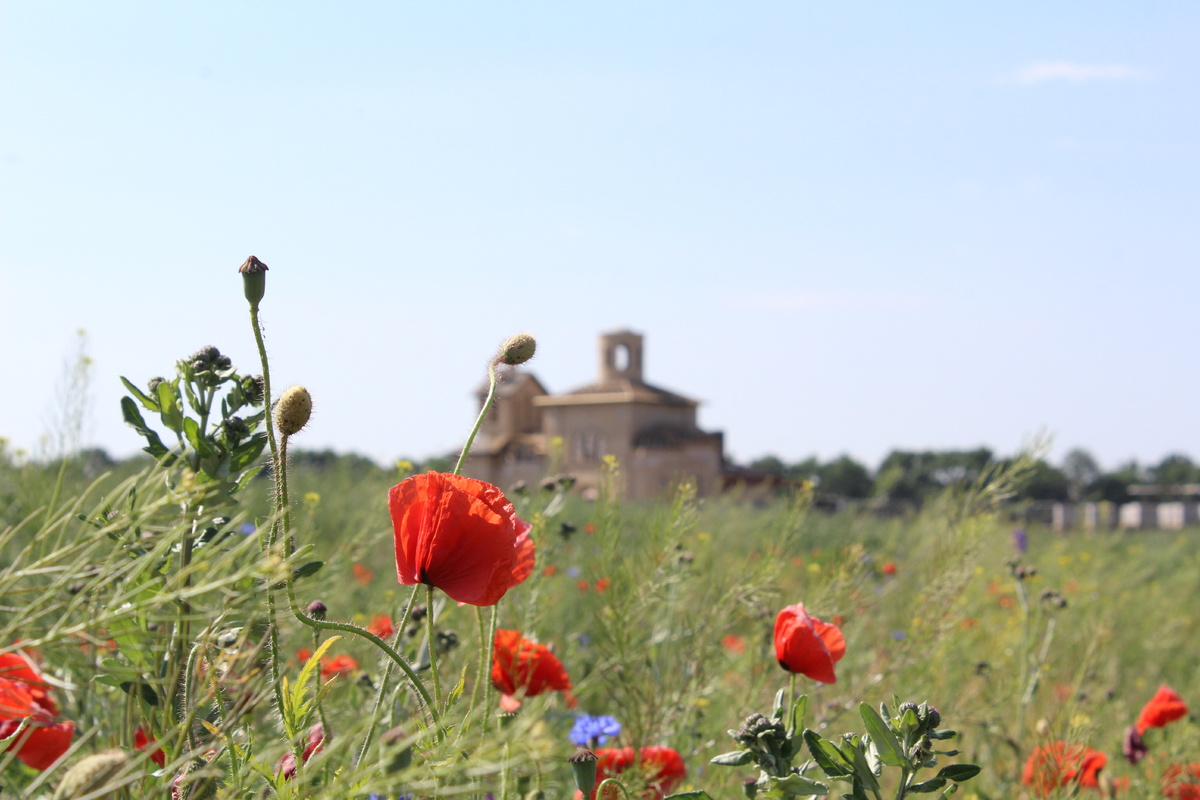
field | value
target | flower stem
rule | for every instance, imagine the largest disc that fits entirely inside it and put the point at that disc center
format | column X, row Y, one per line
column 387, row 675
column 483, row 412
column 433, row 670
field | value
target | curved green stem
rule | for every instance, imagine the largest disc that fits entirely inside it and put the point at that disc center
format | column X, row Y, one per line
column 605, row 782
column 266, row 374
column 483, row 412
column 387, row 675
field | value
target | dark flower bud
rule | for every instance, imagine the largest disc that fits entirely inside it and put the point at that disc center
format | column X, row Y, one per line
column 208, row 353
column 317, row 610
column 566, row 481
column 750, row 788
column 549, row 485
column 1134, row 747
column 583, row 766
column 517, row 350
column 909, row 706
column 933, row 719
column 419, row 612
column 254, row 280
column 412, row 631
column 566, row 529
column 236, row 429
column 252, row 388
column 446, row 641
column 519, row 488
column 153, row 386
column 224, row 362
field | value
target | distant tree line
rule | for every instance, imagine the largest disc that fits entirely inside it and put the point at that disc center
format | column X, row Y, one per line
column 915, row 476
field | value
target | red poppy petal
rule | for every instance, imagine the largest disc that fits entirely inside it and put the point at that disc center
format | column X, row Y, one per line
column 834, row 641
column 45, row 744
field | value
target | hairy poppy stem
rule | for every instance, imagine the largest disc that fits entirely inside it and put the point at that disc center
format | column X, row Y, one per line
column 433, row 670
column 483, row 660
column 483, row 412
column 387, row 676
column 619, row 785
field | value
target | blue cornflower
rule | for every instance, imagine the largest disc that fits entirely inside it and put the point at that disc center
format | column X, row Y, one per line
column 592, row 731
column 247, row 528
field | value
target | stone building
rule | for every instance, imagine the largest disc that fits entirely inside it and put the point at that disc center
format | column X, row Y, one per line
column 651, row 432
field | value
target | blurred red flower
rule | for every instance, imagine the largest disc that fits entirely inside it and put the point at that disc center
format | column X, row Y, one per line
column 362, row 574
column 25, row 695
column 601, row 585
column 1166, row 706
column 522, row 667
column 583, row 585
column 338, row 665
column 662, row 768
column 141, row 741
column 588, row 527
column 459, row 535
column 1181, row 781
column 316, row 741
column 1059, row 763
column 549, row 571
column 807, row 645
column 734, row 644
column 302, row 655
column 888, row 568
column 381, row 626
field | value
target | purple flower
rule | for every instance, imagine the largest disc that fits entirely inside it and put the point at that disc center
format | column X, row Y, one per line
column 573, row 572
column 592, row 731
column 247, row 528
column 1134, row 747
column 1020, row 540
column 899, row 636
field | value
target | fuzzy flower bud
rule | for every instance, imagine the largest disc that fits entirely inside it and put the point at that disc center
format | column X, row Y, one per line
column 517, row 350
column 92, row 774
column 254, row 280
column 293, row 410
column 583, row 764
column 750, row 787
column 317, row 610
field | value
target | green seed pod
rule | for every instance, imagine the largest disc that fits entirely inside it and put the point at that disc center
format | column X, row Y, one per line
column 254, row 280
column 583, row 765
column 517, row 350
column 293, row 410
column 92, row 774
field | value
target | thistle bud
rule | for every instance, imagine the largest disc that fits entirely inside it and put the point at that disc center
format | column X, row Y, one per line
column 750, row 787
column 517, row 350
column 317, row 610
column 153, row 387
column 252, row 388
column 254, row 280
column 92, row 774
column 293, row 410
column 401, row 756
column 583, row 765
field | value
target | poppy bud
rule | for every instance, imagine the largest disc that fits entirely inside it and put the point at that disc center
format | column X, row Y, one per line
column 317, row 610
column 293, row 410
column 91, row 774
column 750, row 787
column 517, row 350
column 254, row 280
column 583, row 765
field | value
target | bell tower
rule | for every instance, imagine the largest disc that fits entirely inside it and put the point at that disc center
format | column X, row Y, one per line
column 621, row 357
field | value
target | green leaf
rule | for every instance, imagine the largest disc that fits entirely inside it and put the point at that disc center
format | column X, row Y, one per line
column 133, row 418
column 245, row 453
column 931, row 785
column 168, row 400
column 139, row 689
column 827, row 755
column 796, row 717
column 457, row 691
column 143, row 398
column 698, row 795
column 735, row 758
column 959, row 772
column 191, row 430
column 306, row 569
column 890, row 752
column 794, row 786
column 777, row 708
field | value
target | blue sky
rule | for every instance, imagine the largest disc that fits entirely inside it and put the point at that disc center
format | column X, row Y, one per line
column 843, row 227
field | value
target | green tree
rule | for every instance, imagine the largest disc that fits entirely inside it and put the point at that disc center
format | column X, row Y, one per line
column 846, row 477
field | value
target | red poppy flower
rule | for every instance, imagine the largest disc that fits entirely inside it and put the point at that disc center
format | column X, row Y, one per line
column 601, row 585
column 459, row 535
column 1058, row 764
column 316, row 741
column 521, row 666
column 888, row 568
column 141, row 741
column 362, row 574
column 662, row 768
column 24, row 695
column 1181, row 781
column 807, row 645
column 1166, row 706
column 338, row 665
column 734, row 644
column 302, row 655
column 381, row 626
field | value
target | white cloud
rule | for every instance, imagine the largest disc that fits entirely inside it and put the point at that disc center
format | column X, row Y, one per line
column 1069, row 71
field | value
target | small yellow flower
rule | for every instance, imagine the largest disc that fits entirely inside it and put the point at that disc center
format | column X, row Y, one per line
column 311, row 500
